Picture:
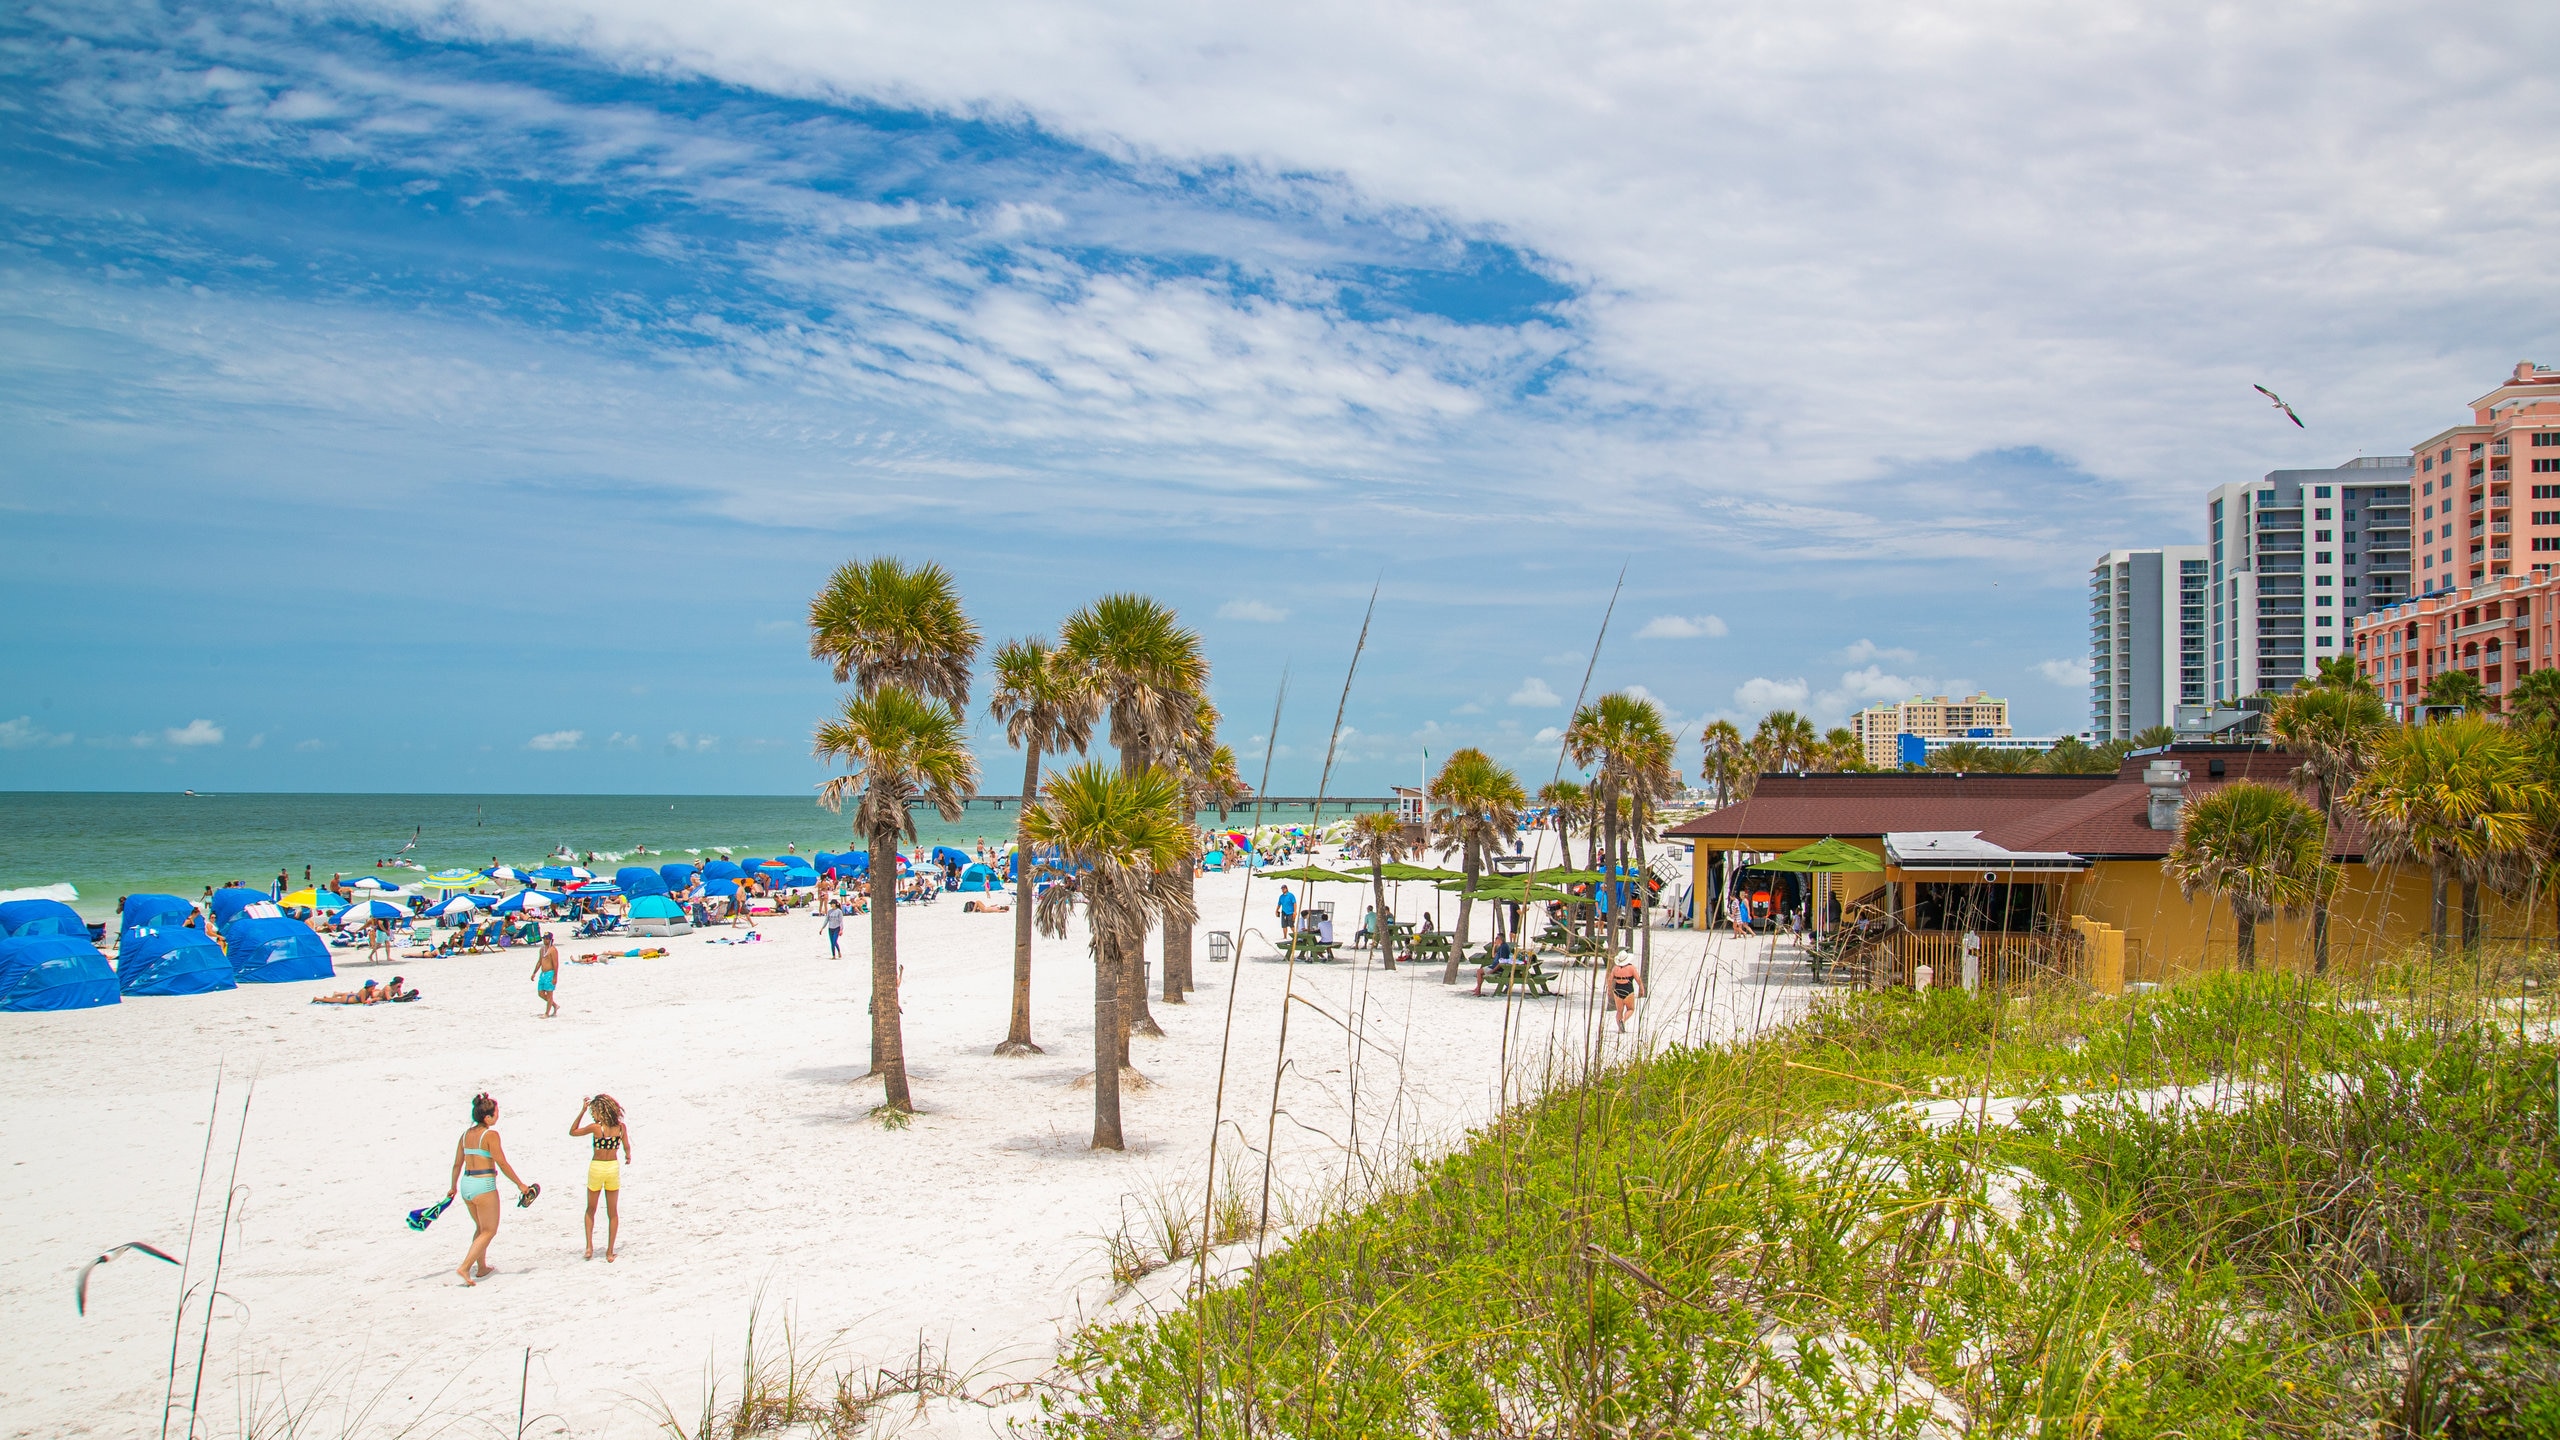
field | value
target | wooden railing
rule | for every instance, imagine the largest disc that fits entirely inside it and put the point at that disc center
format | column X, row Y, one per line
column 2006, row 959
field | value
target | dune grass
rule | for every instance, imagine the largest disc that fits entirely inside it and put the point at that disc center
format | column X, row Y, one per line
column 2246, row 1206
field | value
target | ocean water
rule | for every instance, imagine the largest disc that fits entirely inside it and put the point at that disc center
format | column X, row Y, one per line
column 108, row 845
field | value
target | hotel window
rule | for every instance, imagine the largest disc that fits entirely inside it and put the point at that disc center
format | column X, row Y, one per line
column 2351, row 539
column 2352, row 582
column 2320, row 513
column 2321, row 557
column 2426, row 512
column 2351, row 515
column 2546, row 517
column 2447, row 456
column 2320, row 535
column 2545, row 438
column 2542, row 466
column 2322, row 599
column 2546, row 542
column 2320, row 492
column 2546, row 492
column 2426, row 465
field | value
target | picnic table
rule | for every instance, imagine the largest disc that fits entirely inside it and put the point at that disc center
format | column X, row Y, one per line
column 1434, row 943
column 1528, row 973
column 1307, row 946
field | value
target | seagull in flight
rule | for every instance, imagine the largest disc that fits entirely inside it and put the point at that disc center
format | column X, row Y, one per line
column 2278, row 401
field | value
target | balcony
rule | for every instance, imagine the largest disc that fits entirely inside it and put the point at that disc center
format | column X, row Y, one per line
column 2498, row 552
column 2501, row 527
column 2499, row 447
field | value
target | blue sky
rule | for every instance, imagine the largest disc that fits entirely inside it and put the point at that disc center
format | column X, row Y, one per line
column 454, row 398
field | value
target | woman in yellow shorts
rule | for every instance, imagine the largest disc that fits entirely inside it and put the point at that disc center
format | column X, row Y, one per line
column 602, row 1118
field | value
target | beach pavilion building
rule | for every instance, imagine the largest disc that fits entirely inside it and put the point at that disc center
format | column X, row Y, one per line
column 2055, row 871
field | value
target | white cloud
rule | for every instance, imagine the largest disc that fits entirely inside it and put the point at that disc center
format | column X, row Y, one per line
column 307, row 745
column 24, row 734
column 1534, row 693
column 682, row 743
column 1258, row 611
column 619, row 741
column 257, row 741
column 558, row 740
column 1682, row 627
column 193, row 733
column 1472, row 707
column 1759, row 695
column 1862, row 651
column 2069, row 674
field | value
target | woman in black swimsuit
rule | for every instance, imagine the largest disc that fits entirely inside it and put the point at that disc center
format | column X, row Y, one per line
column 602, row 1118
column 1622, row 989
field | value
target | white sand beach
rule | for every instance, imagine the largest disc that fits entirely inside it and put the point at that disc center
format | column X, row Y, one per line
column 975, row 1236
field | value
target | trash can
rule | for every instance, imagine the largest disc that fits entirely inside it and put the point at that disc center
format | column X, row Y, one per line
column 1221, row 946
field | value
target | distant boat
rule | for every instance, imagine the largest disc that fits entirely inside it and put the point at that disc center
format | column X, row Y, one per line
column 191, row 792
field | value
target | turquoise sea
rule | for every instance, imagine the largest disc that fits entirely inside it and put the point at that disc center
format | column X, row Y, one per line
column 108, row 845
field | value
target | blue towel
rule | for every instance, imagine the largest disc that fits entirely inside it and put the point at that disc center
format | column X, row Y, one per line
column 420, row 1219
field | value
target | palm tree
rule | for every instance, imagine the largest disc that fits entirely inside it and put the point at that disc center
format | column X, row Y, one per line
column 2333, row 729
column 2460, row 796
column 2153, row 737
column 903, row 749
column 2534, row 704
column 1566, row 801
column 2073, row 756
column 1974, row 759
column 1728, row 767
column 1784, row 741
column 1381, row 834
column 1481, row 811
column 1123, row 843
column 2462, row 689
column 1624, row 737
column 2257, row 846
column 1209, row 777
column 2340, row 672
column 1842, row 750
column 1048, row 707
column 2533, row 715
column 883, row 622
column 1151, row 674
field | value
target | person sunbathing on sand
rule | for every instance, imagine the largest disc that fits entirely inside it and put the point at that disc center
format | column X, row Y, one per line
column 977, row 908
column 369, row 993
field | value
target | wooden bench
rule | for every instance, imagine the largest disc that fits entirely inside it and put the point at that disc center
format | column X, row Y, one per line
column 1308, row 947
column 1506, row 974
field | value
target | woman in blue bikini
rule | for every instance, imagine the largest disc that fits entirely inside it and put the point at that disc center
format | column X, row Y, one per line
column 478, row 1158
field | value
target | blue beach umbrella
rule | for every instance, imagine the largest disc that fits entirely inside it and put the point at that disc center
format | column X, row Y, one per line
column 458, row 905
column 368, row 882
column 506, row 872
column 364, row 910
column 524, row 900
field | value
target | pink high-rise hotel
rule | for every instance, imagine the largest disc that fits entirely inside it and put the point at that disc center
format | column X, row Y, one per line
column 2485, row 529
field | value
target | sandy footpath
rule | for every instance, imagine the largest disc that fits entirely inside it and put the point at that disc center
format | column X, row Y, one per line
column 974, row 1235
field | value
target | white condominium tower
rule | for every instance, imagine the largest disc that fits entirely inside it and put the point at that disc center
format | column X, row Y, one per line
column 2298, row 558
column 2146, row 638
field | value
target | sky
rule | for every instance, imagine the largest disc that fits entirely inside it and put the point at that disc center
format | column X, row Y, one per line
column 457, row 397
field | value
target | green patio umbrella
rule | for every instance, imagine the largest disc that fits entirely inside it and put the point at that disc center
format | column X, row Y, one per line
column 1508, row 890
column 1833, row 856
column 1398, row 870
column 1312, row 872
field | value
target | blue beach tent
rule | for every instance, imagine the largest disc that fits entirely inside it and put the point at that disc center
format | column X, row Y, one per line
column 980, row 879
column 639, row 880
column 656, row 907
column 41, row 917
column 267, row 952
column 54, row 972
column 175, row 961
column 230, row 900
column 677, row 877
column 719, row 887
column 722, row 870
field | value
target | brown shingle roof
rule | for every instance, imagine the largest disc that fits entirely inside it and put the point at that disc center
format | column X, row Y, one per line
column 1871, row 805
column 2094, row 815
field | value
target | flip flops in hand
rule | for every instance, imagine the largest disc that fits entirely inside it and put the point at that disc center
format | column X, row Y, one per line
column 531, row 1193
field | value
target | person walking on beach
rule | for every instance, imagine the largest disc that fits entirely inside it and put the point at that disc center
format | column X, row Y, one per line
column 602, row 1118
column 1288, row 912
column 1623, row 980
column 546, row 976
column 835, row 930
column 478, row 1160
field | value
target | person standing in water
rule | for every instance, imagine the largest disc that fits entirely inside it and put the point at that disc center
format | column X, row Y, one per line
column 546, row 976
column 478, row 1159
column 602, row 1118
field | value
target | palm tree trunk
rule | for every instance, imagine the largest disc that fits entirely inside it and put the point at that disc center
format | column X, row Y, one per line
column 1017, row 1035
column 2435, row 911
column 1466, row 905
column 1379, row 934
column 1135, row 1017
column 2320, row 896
column 1177, row 942
column 1609, row 876
column 1644, row 878
column 1108, row 1046
column 888, row 1047
column 2248, row 938
column 2471, row 917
